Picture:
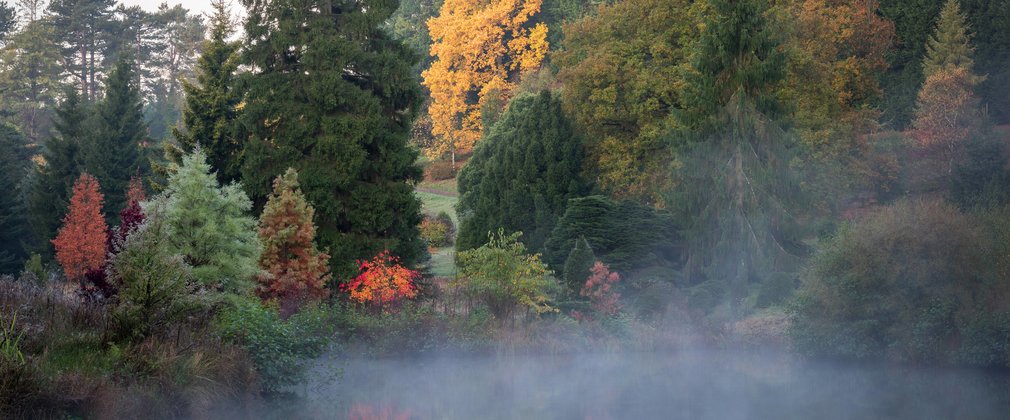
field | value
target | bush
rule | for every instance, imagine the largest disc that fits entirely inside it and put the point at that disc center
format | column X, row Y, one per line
column 440, row 170
column 902, row 283
column 279, row 348
column 437, row 231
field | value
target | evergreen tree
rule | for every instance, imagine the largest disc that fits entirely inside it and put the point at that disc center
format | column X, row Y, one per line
column 209, row 226
column 295, row 270
column 113, row 153
column 333, row 96
column 13, row 222
column 54, row 178
column 949, row 47
column 8, row 20
column 578, row 265
column 211, row 103
column 522, row 175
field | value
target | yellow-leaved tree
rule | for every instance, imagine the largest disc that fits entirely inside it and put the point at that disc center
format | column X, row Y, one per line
column 481, row 48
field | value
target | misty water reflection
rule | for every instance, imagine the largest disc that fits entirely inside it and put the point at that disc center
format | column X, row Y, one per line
column 689, row 385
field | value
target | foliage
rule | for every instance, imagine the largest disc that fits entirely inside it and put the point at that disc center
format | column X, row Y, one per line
column 625, row 235
column 947, row 115
column 295, row 271
column 438, row 231
column 382, row 282
column 598, row 289
column 13, row 220
column 154, row 282
column 408, row 24
column 332, row 95
column 902, row 283
column 578, row 265
column 480, row 48
column 504, row 277
column 83, row 240
column 211, row 107
column 113, row 150
column 209, row 226
column 279, row 348
column 622, row 68
column 948, row 47
column 522, row 175
column 440, row 170
column 981, row 179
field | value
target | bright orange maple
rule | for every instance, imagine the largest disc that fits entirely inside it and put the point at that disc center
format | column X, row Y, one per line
column 481, row 47
column 81, row 243
column 382, row 281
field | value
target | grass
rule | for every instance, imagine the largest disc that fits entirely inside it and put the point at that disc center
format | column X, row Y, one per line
column 443, row 262
column 432, row 204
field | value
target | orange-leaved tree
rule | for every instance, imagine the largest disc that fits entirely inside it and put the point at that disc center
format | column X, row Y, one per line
column 947, row 113
column 599, row 289
column 382, row 281
column 295, row 270
column 481, row 48
column 81, row 243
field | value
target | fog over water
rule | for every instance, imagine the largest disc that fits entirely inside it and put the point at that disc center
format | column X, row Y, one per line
column 689, row 385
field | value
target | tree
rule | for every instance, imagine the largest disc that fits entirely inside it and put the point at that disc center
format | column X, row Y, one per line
column 209, row 226
column 947, row 114
column 948, row 48
column 331, row 95
column 621, row 69
column 82, row 241
column 211, row 106
column 480, row 48
column 504, row 277
column 113, row 153
column 13, row 221
column 522, row 175
column 8, row 20
column 599, row 290
column 578, row 265
column 53, row 178
column 31, row 79
column 83, row 28
column 382, row 282
column 295, row 270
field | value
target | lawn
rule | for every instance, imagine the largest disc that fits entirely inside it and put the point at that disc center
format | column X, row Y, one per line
column 433, row 203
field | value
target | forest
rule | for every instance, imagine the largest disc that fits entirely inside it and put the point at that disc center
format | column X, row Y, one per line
column 312, row 208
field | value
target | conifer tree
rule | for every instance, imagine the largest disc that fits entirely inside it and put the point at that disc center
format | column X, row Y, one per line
column 54, row 177
column 209, row 226
column 522, row 175
column 333, row 96
column 949, row 47
column 81, row 244
column 13, row 221
column 578, row 265
column 210, row 110
column 113, row 152
column 295, row 270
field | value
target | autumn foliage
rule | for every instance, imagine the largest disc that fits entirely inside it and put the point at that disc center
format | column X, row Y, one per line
column 480, row 49
column 296, row 271
column 599, row 290
column 81, row 243
column 382, row 281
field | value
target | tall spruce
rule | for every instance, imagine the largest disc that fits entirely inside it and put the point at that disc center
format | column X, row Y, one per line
column 949, row 47
column 521, row 175
column 13, row 221
column 54, row 177
column 333, row 96
column 736, row 186
column 113, row 153
column 210, row 110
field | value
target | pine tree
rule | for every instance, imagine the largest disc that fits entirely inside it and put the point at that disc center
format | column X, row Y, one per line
column 54, row 177
column 522, row 175
column 949, row 47
column 13, row 221
column 81, row 244
column 209, row 226
column 210, row 110
column 296, row 272
column 578, row 265
column 333, row 96
column 113, row 153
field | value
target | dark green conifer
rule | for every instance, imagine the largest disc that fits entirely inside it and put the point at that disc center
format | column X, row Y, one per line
column 578, row 265
column 331, row 94
column 13, row 223
column 521, row 175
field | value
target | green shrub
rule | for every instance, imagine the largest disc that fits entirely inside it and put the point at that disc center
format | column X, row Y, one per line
column 279, row 349
column 436, row 231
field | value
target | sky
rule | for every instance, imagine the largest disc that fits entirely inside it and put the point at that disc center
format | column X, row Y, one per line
column 196, row 6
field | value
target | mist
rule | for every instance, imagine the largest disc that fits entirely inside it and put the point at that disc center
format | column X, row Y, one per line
column 697, row 384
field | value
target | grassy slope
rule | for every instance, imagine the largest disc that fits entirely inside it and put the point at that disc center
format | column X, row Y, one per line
column 438, row 197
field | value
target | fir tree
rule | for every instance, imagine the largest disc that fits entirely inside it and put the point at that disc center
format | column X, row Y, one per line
column 209, row 226
column 578, row 265
column 295, row 270
column 113, row 153
column 210, row 110
column 13, row 222
column 333, row 96
column 949, row 47
column 522, row 175
column 54, row 177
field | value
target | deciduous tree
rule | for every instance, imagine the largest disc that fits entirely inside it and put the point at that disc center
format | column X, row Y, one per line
column 382, row 281
column 82, row 242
